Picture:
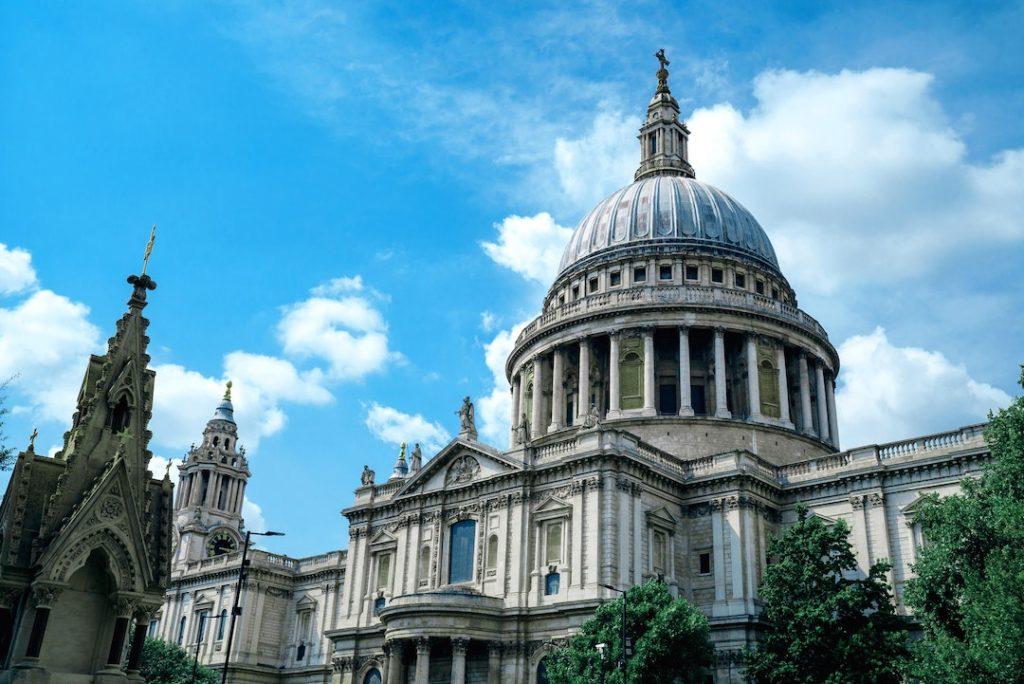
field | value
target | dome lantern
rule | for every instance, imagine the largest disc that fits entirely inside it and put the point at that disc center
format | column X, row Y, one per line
column 664, row 139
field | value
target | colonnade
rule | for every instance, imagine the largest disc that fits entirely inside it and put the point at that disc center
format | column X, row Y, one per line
column 191, row 491
column 395, row 651
column 540, row 387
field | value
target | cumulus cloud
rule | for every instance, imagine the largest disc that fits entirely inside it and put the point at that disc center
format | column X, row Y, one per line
column 158, row 466
column 252, row 513
column 531, row 246
column 858, row 177
column 347, row 332
column 16, row 272
column 337, row 286
column 45, row 341
column 488, row 321
column 394, row 427
column 495, row 408
column 888, row 392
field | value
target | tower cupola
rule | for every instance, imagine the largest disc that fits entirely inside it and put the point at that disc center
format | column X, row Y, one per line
column 664, row 139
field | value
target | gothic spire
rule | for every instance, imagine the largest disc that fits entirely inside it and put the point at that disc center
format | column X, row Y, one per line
column 664, row 139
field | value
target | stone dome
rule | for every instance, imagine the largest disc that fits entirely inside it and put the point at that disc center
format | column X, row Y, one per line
column 669, row 213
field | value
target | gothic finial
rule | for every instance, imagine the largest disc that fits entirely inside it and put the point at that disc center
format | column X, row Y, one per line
column 149, row 249
column 227, row 391
column 662, row 71
column 32, row 439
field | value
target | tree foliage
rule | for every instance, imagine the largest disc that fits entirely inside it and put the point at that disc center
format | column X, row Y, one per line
column 670, row 641
column 165, row 663
column 826, row 624
column 6, row 452
column 969, row 590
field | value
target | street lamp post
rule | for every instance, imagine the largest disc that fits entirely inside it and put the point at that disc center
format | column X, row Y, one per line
column 200, row 632
column 625, row 642
column 235, row 608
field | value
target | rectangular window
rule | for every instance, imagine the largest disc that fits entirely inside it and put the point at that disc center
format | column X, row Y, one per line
column 551, row 582
column 561, row 300
column 592, row 285
column 553, row 543
column 717, row 275
column 383, row 570
column 705, row 564
column 775, row 293
column 575, row 292
column 665, row 272
column 741, row 281
column 692, row 273
column 460, row 557
column 640, row 274
column 759, row 286
column 614, row 278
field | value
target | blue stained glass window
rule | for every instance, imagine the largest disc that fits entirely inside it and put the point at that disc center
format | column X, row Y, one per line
column 551, row 582
column 460, row 555
column 372, row 677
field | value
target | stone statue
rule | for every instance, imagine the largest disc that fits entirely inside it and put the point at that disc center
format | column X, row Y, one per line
column 467, row 419
column 367, row 476
column 592, row 419
column 521, row 432
column 416, row 459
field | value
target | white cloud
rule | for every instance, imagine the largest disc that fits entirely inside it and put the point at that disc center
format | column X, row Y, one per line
column 857, row 177
column 347, row 332
column 337, row 286
column 185, row 399
column 45, row 341
column 888, row 392
column 488, row 321
column 16, row 272
column 158, row 466
column 589, row 168
column 531, row 246
column 252, row 513
column 394, row 427
column 494, row 410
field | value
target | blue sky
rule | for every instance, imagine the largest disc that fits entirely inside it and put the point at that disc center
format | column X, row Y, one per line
column 357, row 203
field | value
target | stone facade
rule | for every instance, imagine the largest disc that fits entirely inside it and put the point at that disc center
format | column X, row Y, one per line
column 670, row 407
column 85, row 536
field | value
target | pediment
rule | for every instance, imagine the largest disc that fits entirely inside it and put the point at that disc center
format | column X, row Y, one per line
column 459, row 464
column 106, row 520
column 383, row 538
column 911, row 509
column 552, row 507
column 661, row 517
column 305, row 603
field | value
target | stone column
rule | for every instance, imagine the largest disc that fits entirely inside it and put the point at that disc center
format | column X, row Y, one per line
column 753, row 385
column 685, row 407
column 614, row 397
column 423, row 657
column 517, row 381
column 393, row 649
column 138, row 641
column 721, row 403
column 805, row 397
column 649, row 408
column 494, row 662
column 537, row 423
column 583, row 400
column 819, row 377
column 557, row 391
column 459, row 647
column 780, row 363
column 833, row 419
column 122, row 609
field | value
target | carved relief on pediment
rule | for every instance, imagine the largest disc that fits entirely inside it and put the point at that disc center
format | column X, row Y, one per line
column 462, row 470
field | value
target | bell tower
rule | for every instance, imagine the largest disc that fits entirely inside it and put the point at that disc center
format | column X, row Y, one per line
column 213, row 476
column 664, row 139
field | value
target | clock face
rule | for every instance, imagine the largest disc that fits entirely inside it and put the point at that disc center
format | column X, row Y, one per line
column 220, row 543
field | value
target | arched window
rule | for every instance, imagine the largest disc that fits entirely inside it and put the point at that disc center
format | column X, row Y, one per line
column 460, row 554
column 768, row 386
column 652, row 145
column 492, row 552
column 372, row 677
column 181, row 630
column 227, row 443
column 631, row 370
column 300, row 652
column 221, row 624
column 542, row 671
column 120, row 417
column 423, row 570
column 216, row 440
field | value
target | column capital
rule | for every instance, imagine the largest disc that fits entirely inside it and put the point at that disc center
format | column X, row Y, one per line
column 422, row 645
column 495, row 647
column 460, row 645
column 614, row 334
column 45, row 595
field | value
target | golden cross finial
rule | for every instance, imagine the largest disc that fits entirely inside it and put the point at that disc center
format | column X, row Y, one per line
column 32, row 439
column 227, row 391
column 167, row 471
column 149, row 249
column 401, row 456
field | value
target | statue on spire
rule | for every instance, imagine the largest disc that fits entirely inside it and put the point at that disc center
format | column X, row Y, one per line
column 227, row 391
column 662, row 71
column 149, row 249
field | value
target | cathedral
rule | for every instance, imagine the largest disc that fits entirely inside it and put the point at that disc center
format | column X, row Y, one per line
column 670, row 407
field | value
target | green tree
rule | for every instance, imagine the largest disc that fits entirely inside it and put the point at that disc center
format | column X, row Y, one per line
column 825, row 623
column 669, row 637
column 6, row 452
column 165, row 663
column 969, row 590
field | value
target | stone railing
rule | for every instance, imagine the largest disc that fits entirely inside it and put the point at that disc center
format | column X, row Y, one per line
column 661, row 295
column 939, row 440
